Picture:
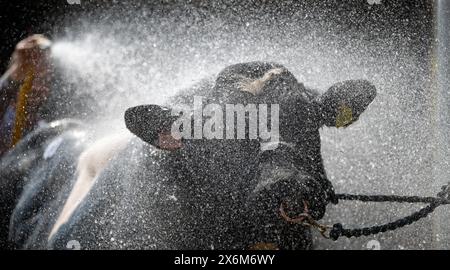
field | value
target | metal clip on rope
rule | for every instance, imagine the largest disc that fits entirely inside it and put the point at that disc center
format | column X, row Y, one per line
column 338, row 230
column 305, row 219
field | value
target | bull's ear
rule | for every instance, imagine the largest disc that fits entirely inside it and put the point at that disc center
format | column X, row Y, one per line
column 149, row 121
column 344, row 102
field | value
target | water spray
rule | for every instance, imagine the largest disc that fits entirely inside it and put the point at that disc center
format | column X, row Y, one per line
column 389, row 141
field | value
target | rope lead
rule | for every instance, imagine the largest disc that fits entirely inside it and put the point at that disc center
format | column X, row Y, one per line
column 338, row 230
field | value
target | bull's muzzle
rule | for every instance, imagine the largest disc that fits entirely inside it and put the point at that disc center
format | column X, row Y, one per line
column 282, row 186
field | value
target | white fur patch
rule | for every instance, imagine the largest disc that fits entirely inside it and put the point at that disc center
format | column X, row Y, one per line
column 90, row 164
column 255, row 86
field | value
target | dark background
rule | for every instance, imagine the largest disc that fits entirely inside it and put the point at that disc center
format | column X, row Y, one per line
column 20, row 18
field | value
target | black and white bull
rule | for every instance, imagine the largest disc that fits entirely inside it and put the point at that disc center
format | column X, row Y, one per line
column 202, row 194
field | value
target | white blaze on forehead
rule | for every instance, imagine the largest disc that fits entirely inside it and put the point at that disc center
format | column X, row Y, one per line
column 255, row 86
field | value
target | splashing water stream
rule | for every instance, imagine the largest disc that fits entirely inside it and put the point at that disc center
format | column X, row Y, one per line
column 390, row 150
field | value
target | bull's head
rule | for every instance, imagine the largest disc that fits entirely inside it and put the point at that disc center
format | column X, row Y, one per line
column 243, row 182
